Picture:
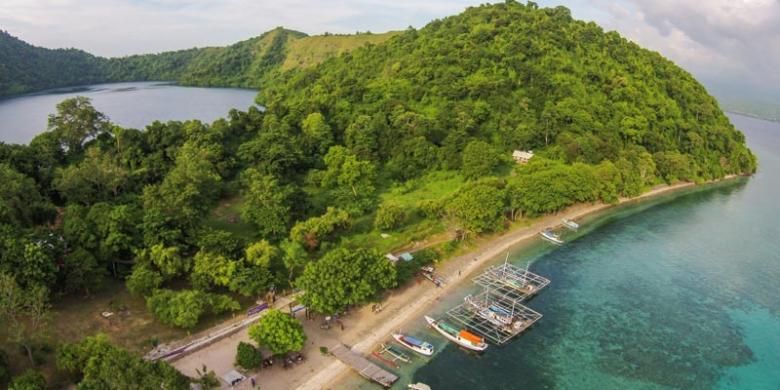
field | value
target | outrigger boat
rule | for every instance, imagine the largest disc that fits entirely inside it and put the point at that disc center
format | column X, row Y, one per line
column 395, row 353
column 419, row 386
column 462, row 337
column 494, row 314
column 570, row 224
column 549, row 235
column 422, row 347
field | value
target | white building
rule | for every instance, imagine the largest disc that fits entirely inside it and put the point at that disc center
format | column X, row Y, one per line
column 521, row 156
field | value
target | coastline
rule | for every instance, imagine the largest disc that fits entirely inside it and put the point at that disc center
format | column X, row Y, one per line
column 413, row 301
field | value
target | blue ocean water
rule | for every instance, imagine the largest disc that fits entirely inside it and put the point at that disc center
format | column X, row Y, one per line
column 681, row 292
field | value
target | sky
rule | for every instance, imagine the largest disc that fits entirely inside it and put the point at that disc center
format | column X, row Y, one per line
column 728, row 44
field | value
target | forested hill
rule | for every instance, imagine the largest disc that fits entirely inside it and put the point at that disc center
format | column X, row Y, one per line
column 518, row 77
column 26, row 68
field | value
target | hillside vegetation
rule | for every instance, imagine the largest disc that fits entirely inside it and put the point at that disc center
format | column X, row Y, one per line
column 358, row 155
column 26, row 68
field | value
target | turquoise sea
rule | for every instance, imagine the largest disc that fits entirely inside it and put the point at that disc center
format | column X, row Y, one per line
column 681, row 292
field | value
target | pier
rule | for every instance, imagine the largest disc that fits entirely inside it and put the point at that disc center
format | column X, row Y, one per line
column 496, row 317
column 497, row 313
column 511, row 281
column 363, row 366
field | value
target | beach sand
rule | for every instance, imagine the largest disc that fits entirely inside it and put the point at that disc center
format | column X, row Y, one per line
column 364, row 330
column 411, row 303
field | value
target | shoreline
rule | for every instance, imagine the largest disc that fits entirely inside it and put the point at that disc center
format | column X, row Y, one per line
column 413, row 301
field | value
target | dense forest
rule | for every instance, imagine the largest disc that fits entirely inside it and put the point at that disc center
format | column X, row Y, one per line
column 412, row 136
column 247, row 64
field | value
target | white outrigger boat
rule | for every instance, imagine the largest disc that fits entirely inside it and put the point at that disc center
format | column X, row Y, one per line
column 570, row 224
column 461, row 337
column 495, row 315
column 422, row 347
column 549, row 235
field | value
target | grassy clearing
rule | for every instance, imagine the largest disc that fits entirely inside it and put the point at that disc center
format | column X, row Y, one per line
column 434, row 186
column 227, row 216
column 310, row 51
column 419, row 230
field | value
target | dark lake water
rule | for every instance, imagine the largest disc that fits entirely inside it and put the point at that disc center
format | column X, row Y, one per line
column 681, row 292
column 132, row 105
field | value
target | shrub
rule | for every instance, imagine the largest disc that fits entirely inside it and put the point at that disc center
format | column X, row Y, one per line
column 247, row 356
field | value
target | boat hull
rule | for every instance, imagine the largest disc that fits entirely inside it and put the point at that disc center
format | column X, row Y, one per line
column 422, row 351
column 551, row 239
column 477, row 348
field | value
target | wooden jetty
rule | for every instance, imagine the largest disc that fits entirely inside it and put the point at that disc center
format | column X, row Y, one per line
column 467, row 314
column 363, row 366
column 512, row 281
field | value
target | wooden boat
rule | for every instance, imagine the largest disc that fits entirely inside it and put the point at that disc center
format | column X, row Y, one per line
column 549, row 235
column 461, row 337
column 570, row 224
column 422, row 347
column 395, row 353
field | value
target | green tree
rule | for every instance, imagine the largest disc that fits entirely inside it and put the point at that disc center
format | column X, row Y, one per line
column 186, row 194
column 18, row 197
column 294, row 257
column 350, row 181
column 344, row 277
column 81, row 272
column 389, row 216
column 266, row 203
column 479, row 160
column 247, row 356
column 279, row 332
column 478, row 208
column 143, row 280
column 185, row 308
column 26, row 311
column 76, row 121
column 29, row 380
column 313, row 231
column 317, row 135
column 99, row 365
column 99, row 177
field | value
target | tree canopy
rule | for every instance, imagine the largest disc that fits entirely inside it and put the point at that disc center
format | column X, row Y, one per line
column 345, row 277
column 279, row 332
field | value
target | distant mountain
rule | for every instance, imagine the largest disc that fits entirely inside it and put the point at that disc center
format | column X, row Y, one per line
column 26, row 68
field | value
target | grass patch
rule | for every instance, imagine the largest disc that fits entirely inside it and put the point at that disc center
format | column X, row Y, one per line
column 227, row 216
column 434, row 186
column 310, row 51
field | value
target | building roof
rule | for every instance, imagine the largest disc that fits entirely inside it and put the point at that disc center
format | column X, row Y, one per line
column 522, row 155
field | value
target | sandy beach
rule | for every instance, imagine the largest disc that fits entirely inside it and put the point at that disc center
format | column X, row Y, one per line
column 363, row 329
column 411, row 303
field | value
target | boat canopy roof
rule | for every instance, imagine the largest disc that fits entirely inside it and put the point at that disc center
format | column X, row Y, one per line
column 414, row 341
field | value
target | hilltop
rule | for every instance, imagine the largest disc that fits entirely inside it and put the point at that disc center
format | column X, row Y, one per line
column 26, row 68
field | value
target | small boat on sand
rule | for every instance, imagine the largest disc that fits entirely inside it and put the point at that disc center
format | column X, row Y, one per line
column 549, row 235
column 461, row 337
column 570, row 224
column 422, row 347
